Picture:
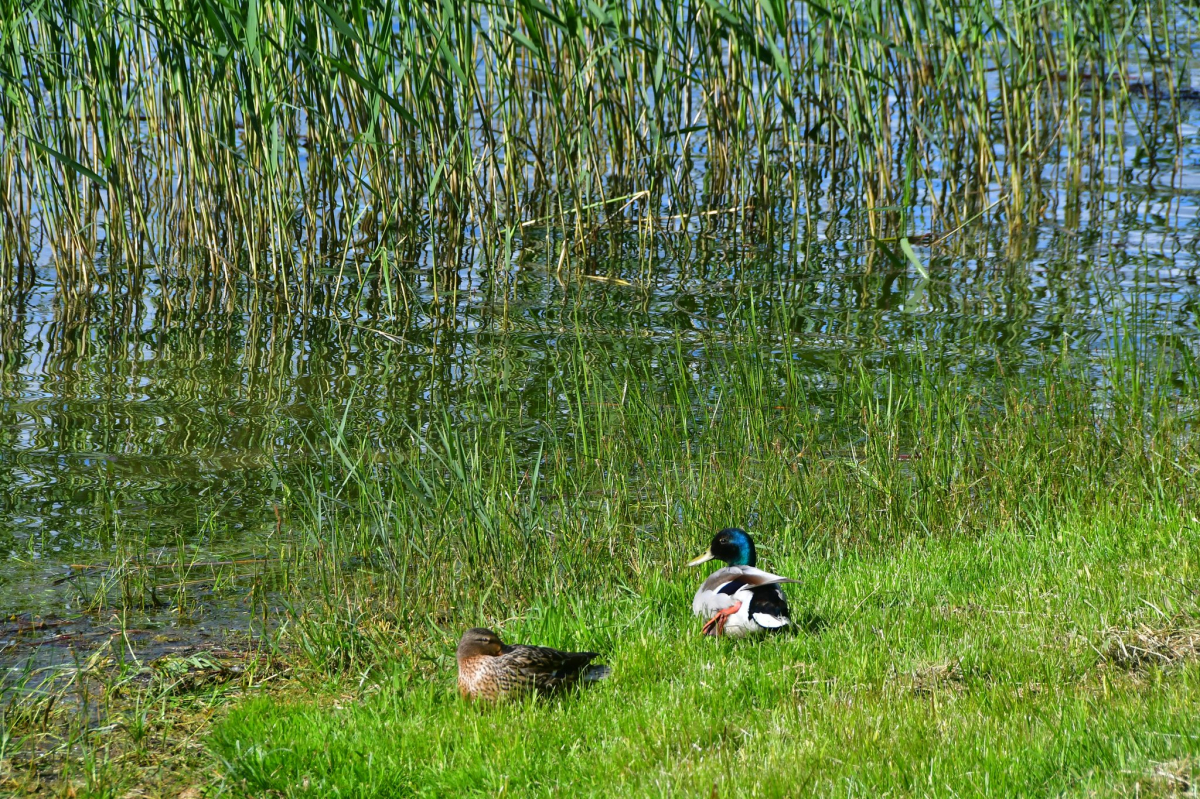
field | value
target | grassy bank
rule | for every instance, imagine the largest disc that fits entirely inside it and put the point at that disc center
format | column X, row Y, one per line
column 1001, row 591
column 999, row 566
column 1044, row 658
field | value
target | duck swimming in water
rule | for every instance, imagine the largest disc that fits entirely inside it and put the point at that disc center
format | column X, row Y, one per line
column 739, row 599
column 489, row 669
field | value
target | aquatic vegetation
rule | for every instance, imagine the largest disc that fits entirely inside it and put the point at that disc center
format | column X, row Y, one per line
column 283, row 142
column 642, row 464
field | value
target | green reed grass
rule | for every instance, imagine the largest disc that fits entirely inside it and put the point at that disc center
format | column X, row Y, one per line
column 977, row 557
column 281, row 140
column 482, row 515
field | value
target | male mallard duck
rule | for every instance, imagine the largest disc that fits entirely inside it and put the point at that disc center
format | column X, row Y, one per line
column 488, row 669
column 739, row 599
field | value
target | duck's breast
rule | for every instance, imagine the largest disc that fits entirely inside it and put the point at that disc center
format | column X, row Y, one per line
column 476, row 678
column 717, row 592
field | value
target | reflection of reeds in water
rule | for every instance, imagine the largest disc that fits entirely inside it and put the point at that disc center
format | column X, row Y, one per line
column 273, row 139
column 471, row 520
column 166, row 421
column 179, row 402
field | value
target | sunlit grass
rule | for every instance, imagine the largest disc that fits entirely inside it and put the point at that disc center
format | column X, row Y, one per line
column 960, row 666
column 970, row 564
column 975, row 562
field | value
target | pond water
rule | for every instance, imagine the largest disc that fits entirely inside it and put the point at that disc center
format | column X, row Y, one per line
column 144, row 421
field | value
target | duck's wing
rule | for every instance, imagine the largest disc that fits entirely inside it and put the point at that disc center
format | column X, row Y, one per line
column 768, row 606
column 751, row 576
column 717, row 592
column 743, row 578
column 547, row 669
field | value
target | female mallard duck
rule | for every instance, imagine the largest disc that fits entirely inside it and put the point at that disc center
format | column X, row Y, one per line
column 488, row 669
column 739, row 599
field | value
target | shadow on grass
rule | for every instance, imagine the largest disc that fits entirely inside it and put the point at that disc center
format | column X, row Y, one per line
column 809, row 623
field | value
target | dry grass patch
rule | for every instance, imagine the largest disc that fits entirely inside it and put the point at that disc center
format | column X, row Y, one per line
column 1172, row 778
column 1147, row 647
column 939, row 677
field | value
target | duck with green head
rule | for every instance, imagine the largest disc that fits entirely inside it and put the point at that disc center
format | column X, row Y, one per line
column 739, row 599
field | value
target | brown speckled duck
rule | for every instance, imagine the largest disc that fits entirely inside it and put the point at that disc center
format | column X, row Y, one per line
column 488, row 669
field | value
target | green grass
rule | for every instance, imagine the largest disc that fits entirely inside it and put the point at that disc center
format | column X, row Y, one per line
column 960, row 608
column 953, row 666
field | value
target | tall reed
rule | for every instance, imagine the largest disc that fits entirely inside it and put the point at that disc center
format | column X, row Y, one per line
column 275, row 140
